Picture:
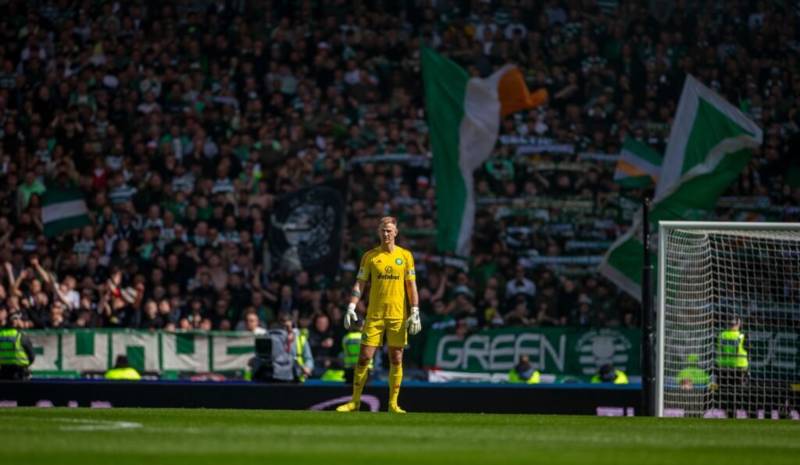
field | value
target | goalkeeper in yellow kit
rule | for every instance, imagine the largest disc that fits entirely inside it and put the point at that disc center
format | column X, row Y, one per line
column 389, row 269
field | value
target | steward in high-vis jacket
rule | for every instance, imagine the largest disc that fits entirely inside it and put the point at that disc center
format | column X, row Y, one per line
column 16, row 351
column 122, row 371
column 351, row 346
column 608, row 374
column 732, row 368
column 524, row 372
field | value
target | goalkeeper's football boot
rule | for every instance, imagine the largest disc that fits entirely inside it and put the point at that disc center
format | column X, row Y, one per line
column 394, row 408
column 349, row 407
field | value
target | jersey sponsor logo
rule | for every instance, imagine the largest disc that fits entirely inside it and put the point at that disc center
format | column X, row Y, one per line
column 388, row 274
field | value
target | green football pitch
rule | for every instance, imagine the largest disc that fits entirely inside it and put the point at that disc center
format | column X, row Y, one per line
column 228, row 437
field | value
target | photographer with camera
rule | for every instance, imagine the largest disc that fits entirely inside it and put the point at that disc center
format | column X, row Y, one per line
column 281, row 356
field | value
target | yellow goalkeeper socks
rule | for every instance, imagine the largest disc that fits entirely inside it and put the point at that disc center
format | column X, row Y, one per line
column 359, row 379
column 395, row 378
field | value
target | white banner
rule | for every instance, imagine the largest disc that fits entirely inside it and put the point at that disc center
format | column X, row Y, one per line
column 97, row 350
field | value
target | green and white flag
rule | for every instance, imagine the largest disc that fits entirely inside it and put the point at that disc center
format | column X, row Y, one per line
column 464, row 118
column 63, row 209
column 709, row 145
column 639, row 166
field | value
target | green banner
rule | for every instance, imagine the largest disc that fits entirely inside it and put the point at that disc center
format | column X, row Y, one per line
column 75, row 351
column 773, row 353
column 560, row 351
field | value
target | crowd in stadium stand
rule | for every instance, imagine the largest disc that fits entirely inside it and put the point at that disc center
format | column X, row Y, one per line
column 183, row 122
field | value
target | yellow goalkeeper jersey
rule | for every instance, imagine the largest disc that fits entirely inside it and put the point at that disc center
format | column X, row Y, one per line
column 387, row 274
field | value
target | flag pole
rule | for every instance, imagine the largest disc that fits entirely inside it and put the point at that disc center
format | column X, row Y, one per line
column 648, row 334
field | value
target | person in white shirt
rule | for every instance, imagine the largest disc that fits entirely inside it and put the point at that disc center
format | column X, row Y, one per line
column 520, row 285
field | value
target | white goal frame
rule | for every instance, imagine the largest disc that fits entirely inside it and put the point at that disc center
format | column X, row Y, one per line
column 663, row 228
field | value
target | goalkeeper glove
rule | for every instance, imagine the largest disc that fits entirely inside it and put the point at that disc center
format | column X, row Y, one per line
column 350, row 317
column 413, row 323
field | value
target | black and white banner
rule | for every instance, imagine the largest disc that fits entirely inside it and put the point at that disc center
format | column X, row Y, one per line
column 306, row 231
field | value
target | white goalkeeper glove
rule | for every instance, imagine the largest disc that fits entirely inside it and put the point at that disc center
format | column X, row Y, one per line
column 413, row 323
column 350, row 317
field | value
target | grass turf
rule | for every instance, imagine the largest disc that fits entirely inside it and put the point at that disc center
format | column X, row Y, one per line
column 86, row 436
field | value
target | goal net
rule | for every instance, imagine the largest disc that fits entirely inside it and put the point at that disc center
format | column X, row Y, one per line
column 728, row 332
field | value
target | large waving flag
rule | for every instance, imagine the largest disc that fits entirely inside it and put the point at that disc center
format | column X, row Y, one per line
column 63, row 209
column 464, row 118
column 709, row 145
column 639, row 166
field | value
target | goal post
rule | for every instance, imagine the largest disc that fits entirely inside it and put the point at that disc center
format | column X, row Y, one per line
column 728, row 319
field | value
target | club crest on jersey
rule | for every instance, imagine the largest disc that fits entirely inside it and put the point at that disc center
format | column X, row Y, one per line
column 399, row 261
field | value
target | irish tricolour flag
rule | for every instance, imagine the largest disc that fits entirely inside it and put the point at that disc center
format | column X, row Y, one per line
column 63, row 209
column 709, row 144
column 464, row 119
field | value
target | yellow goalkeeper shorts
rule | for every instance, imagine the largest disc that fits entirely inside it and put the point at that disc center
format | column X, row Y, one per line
column 395, row 329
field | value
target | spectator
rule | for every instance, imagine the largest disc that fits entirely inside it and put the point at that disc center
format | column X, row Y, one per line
column 151, row 317
column 322, row 340
column 183, row 169
column 251, row 322
column 520, row 285
column 582, row 316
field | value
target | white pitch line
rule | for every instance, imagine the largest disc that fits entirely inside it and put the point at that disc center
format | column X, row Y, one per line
column 96, row 425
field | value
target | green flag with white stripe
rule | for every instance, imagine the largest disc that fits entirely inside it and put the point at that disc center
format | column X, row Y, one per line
column 709, row 145
column 639, row 166
column 63, row 209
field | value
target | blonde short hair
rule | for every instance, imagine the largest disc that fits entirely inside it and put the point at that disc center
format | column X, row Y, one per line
column 388, row 220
